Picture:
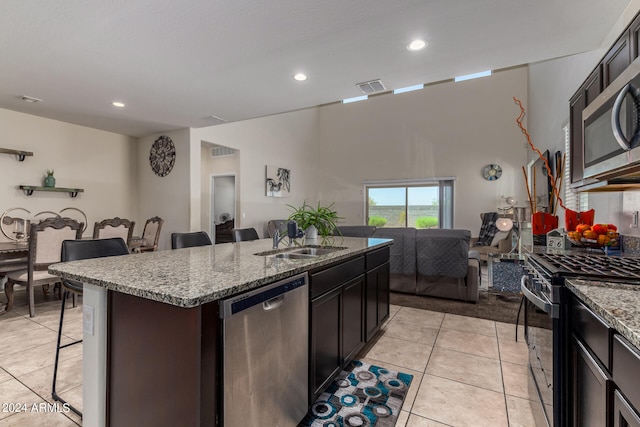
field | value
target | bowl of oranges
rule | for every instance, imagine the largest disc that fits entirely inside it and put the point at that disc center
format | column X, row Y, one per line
column 595, row 236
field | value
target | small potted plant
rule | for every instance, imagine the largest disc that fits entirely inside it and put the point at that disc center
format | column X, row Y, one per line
column 315, row 221
column 49, row 180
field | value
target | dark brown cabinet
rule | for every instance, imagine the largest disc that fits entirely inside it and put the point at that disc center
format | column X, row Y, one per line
column 583, row 97
column 337, row 320
column 623, row 413
column 591, row 388
column 326, row 360
column 616, row 60
column 377, row 300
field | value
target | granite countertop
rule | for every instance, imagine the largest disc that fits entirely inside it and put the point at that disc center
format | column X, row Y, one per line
column 194, row 276
column 617, row 303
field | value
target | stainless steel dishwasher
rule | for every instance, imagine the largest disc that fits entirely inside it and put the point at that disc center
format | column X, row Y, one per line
column 265, row 355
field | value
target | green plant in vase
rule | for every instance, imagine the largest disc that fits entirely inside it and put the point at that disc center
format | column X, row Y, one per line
column 320, row 221
column 49, row 180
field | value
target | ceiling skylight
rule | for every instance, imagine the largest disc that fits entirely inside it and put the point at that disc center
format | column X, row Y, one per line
column 355, row 99
column 117, row 104
column 472, row 76
column 408, row 89
column 300, row 77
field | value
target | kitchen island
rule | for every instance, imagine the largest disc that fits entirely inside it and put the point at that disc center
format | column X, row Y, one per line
column 605, row 355
column 152, row 331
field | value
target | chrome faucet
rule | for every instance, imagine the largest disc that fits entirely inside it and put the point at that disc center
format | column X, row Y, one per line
column 277, row 239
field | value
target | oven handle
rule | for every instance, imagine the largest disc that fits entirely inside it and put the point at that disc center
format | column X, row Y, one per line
column 547, row 307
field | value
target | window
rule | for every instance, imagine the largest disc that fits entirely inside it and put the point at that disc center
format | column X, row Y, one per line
column 418, row 204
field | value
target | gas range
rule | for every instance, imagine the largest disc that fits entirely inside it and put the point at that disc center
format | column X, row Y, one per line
column 553, row 268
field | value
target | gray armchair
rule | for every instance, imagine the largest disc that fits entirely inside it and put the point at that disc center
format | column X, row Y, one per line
column 444, row 267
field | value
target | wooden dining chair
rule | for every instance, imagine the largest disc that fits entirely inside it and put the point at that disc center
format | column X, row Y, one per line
column 45, row 247
column 150, row 236
column 114, row 227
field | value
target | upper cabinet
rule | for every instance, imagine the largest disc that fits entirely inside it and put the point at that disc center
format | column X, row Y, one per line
column 623, row 52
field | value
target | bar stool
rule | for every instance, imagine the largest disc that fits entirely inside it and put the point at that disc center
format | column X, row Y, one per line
column 189, row 240
column 245, row 234
column 74, row 250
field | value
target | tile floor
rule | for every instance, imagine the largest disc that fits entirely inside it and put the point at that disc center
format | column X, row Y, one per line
column 467, row 371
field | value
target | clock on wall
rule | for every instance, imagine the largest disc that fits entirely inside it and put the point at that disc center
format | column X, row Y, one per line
column 492, row 172
column 162, row 156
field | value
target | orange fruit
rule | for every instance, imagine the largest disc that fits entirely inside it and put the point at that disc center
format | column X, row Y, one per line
column 589, row 234
column 603, row 239
column 581, row 228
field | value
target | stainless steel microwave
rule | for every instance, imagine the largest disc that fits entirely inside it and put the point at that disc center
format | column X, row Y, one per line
column 611, row 127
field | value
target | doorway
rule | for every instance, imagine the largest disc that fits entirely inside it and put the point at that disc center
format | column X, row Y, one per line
column 223, row 206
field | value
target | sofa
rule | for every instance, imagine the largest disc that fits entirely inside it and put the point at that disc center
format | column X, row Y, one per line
column 432, row 262
column 500, row 243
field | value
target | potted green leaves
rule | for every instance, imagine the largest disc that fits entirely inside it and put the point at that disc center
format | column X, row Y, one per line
column 315, row 221
column 49, row 180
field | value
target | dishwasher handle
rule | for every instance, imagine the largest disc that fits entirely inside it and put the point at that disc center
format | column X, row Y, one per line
column 272, row 304
column 270, row 296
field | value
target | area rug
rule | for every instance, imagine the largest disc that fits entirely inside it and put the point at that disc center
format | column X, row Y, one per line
column 362, row 395
column 492, row 305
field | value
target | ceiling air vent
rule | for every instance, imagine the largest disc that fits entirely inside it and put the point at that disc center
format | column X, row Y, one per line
column 219, row 151
column 371, row 86
column 215, row 120
column 30, row 99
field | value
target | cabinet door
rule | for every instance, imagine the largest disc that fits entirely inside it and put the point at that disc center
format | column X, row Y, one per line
column 634, row 36
column 624, row 414
column 616, row 60
column 326, row 360
column 590, row 389
column 576, row 105
column 352, row 319
column 377, row 299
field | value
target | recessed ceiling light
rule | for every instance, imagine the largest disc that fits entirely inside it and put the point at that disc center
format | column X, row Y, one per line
column 300, row 77
column 417, row 45
column 118, row 104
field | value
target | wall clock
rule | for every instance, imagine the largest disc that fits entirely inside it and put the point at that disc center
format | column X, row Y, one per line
column 162, row 156
column 492, row 172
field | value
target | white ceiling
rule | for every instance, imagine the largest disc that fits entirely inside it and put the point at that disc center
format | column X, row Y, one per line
column 176, row 62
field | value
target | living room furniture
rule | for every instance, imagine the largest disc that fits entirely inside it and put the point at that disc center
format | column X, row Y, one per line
column 45, row 246
column 433, row 262
column 500, row 243
column 74, row 250
column 224, row 232
column 189, row 240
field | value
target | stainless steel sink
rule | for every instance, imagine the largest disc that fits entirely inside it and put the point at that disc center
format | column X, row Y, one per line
column 303, row 252
column 292, row 255
column 313, row 251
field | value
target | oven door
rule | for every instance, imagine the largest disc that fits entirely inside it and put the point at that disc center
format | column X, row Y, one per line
column 539, row 316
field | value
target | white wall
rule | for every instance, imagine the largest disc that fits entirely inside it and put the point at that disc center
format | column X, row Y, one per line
column 102, row 163
column 286, row 140
column 447, row 129
column 169, row 197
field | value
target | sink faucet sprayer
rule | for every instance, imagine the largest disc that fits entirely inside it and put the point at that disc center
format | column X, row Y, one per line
column 293, row 232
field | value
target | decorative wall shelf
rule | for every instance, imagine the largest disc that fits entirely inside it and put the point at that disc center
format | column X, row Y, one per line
column 21, row 154
column 29, row 189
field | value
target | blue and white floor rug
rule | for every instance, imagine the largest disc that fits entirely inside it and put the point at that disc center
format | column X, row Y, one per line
column 363, row 395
